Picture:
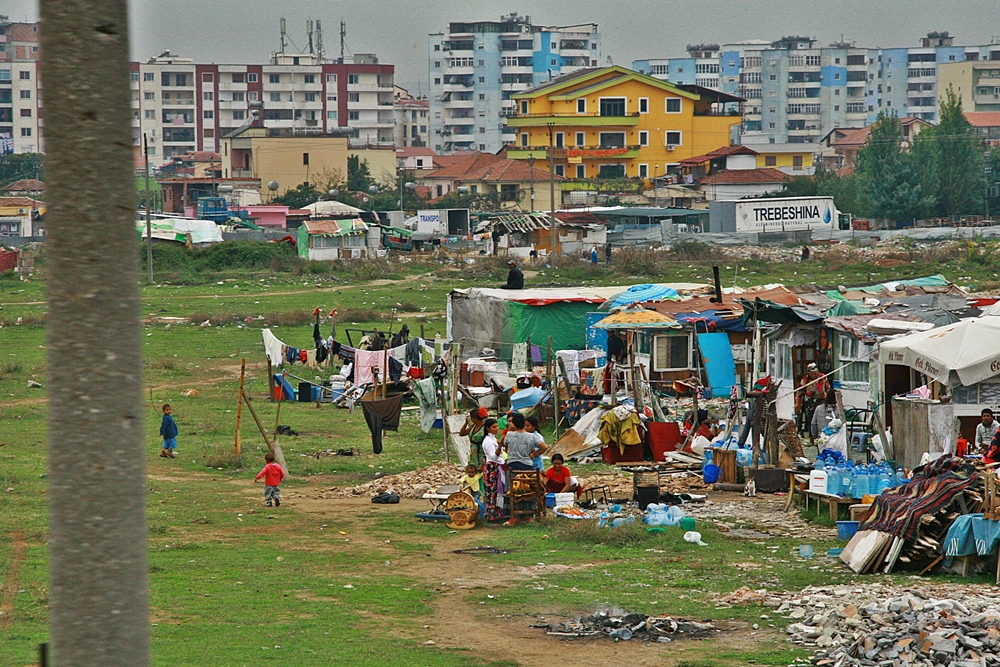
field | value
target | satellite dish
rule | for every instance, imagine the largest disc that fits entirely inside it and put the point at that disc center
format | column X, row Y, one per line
column 272, row 186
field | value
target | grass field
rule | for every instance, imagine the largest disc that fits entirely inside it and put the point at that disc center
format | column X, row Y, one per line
column 341, row 581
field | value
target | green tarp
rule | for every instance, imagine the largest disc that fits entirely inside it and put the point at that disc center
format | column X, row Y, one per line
column 566, row 322
column 842, row 308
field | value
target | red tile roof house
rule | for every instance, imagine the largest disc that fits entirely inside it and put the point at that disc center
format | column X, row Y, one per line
column 488, row 174
column 738, row 183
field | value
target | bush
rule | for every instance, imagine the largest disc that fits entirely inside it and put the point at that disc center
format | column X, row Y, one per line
column 223, row 457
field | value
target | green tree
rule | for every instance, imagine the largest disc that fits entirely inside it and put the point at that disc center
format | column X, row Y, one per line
column 16, row 166
column 949, row 158
column 800, row 186
column 992, row 170
column 887, row 176
column 299, row 197
column 359, row 177
column 473, row 202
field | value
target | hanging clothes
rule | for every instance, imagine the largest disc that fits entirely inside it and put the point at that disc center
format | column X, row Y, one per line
column 311, row 359
column 412, row 355
column 365, row 360
column 401, row 338
column 291, row 354
column 322, row 346
column 398, row 353
column 620, row 427
column 519, row 359
column 389, row 409
column 536, row 355
column 426, row 392
column 274, row 348
column 374, row 421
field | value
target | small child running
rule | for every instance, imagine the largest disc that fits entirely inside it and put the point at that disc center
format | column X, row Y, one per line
column 272, row 474
column 168, row 431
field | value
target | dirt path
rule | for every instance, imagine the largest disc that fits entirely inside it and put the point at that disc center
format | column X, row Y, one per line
column 459, row 621
column 12, row 580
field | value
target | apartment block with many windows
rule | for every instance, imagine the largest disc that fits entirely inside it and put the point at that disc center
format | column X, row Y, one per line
column 476, row 68
column 20, row 88
column 798, row 91
column 181, row 106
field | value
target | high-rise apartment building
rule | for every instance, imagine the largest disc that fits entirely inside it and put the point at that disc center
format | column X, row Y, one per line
column 182, row 106
column 20, row 88
column 475, row 67
column 411, row 119
column 797, row 91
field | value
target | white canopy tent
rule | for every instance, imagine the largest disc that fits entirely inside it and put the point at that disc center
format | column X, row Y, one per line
column 323, row 208
column 970, row 349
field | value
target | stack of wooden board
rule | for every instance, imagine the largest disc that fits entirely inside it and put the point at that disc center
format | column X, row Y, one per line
column 873, row 551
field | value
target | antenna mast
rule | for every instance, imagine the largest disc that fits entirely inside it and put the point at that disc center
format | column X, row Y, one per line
column 319, row 41
column 282, row 34
column 309, row 34
column 343, row 36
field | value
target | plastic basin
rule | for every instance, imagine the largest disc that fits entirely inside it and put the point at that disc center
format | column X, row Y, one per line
column 847, row 529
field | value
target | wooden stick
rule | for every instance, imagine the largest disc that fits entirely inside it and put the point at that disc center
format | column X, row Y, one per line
column 273, row 447
column 237, row 445
column 270, row 380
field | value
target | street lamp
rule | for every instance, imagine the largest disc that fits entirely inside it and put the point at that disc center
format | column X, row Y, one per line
column 408, row 186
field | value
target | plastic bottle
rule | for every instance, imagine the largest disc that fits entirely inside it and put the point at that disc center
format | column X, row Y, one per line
column 604, row 518
column 623, row 634
column 861, row 482
column 833, row 477
column 847, row 482
column 884, row 481
column 621, row 521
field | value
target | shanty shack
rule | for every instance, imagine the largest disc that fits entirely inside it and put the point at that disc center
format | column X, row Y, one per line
column 348, row 238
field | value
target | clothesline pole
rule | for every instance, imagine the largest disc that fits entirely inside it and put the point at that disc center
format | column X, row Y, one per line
column 237, row 447
column 552, row 385
column 270, row 380
column 444, row 423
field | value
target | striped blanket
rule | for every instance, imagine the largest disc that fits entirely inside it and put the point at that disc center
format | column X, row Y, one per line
column 897, row 511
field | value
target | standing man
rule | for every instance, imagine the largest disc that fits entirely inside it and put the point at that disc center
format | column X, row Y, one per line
column 515, row 279
column 607, row 254
column 985, row 430
column 815, row 389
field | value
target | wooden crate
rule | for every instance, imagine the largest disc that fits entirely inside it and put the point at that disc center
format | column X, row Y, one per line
column 991, row 498
column 726, row 460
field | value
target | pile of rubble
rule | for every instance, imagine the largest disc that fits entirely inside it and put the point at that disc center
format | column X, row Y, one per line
column 874, row 625
column 410, row 484
column 765, row 513
column 621, row 626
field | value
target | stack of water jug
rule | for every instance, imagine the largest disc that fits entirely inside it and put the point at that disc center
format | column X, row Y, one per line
column 837, row 476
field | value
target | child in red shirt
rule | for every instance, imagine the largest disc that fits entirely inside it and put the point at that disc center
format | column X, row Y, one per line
column 272, row 474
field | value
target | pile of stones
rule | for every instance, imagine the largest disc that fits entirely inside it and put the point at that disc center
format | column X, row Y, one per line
column 857, row 626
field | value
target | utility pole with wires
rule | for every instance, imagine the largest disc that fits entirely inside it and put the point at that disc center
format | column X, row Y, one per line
column 149, row 220
column 552, row 193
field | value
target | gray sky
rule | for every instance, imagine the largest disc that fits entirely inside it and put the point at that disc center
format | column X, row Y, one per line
column 237, row 31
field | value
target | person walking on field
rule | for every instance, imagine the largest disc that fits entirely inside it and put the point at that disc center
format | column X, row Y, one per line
column 168, row 431
column 272, row 474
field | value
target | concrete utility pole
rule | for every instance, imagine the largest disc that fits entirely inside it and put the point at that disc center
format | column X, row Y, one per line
column 97, row 549
column 552, row 194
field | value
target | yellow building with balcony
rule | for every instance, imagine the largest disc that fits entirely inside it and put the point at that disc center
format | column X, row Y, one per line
column 612, row 122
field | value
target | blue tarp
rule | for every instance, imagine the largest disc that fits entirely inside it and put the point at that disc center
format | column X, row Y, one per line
column 597, row 339
column 643, row 293
column 720, row 367
column 709, row 321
